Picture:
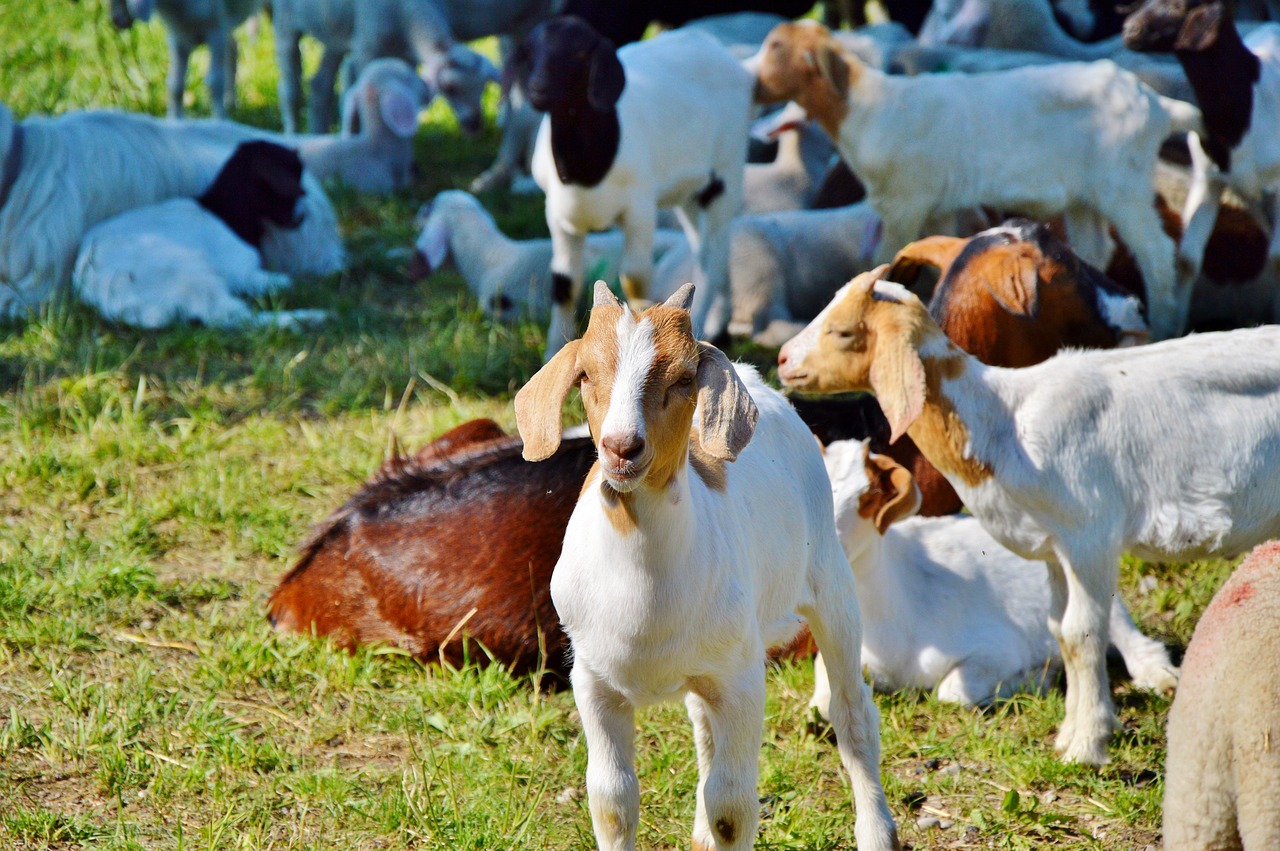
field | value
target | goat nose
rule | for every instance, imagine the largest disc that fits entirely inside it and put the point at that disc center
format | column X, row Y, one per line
column 628, row 447
column 783, row 358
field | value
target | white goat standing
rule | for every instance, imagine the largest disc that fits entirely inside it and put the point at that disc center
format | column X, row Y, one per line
column 669, row 584
column 1167, row 451
column 984, row 634
column 189, row 24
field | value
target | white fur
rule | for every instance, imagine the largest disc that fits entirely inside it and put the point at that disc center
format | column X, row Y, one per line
column 945, row 606
column 82, row 168
column 792, row 179
column 456, row 227
column 1166, row 451
column 175, row 261
column 684, row 114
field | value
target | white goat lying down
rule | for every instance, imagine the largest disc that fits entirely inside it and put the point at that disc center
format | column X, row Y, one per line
column 670, row 585
column 982, row 634
column 191, row 259
column 65, row 174
column 1167, row 451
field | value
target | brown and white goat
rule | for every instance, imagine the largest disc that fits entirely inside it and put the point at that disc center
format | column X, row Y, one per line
column 456, row 542
column 669, row 584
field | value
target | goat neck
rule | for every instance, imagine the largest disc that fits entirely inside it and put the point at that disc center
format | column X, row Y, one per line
column 476, row 244
column 1223, row 75
column 584, row 142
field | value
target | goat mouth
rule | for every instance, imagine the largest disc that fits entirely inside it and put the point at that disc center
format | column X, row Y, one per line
column 798, row 380
column 624, row 477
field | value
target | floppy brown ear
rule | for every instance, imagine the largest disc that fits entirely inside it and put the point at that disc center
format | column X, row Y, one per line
column 937, row 251
column 833, row 67
column 892, row 494
column 897, row 376
column 1010, row 275
column 728, row 415
column 1201, row 27
column 539, row 402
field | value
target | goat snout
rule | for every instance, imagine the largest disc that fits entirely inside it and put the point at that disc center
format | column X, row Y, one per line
column 622, row 456
column 790, row 368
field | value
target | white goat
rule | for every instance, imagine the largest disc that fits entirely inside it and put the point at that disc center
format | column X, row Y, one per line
column 783, row 267
column 189, row 24
column 669, row 584
column 789, row 182
column 1098, row 133
column 509, row 278
column 984, row 634
column 374, row 151
column 63, row 175
column 1075, row 460
column 660, row 123
column 412, row 30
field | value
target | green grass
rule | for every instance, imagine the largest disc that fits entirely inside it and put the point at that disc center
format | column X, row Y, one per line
column 155, row 484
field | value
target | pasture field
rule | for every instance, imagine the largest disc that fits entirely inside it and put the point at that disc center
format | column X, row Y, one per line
column 154, row 485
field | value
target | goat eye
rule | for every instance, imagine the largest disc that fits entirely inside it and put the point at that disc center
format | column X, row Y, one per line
column 684, row 381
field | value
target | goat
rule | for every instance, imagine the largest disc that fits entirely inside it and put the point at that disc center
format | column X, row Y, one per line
column 790, row 181
column 1222, row 770
column 985, row 635
column 659, row 123
column 413, row 30
column 1237, row 82
column 509, row 278
column 1075, row 460
column 1100, row 131
column 454, row 543
column 186, row 259
column 189, row 24
column 668, row 584
column 63, row 175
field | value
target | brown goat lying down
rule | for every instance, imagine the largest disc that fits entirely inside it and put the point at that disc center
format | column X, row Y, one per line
column 1010, row 296
column 456, row 540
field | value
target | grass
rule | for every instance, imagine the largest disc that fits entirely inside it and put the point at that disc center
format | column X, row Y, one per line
column 155, row 485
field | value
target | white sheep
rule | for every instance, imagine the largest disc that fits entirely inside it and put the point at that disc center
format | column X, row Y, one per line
column 189, row 24
column 63, row 175
column 983, row 633
column 1088, row 137
column 1222, row 770
column 1167, row 451
column 412, row 30
column 660, row 123
column 374, row 151
column 510, row 278
column 669, row 584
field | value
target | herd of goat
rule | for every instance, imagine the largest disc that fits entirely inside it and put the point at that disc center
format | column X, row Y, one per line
column 1069, row 209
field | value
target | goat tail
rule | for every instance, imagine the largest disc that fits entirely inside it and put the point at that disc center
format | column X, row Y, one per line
column 1184, row 117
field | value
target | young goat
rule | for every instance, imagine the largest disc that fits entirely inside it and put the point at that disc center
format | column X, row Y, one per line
column 660, row 123
column 1222, row 774
column 669, row 584
column 1100, row 131
column 985, row 636
column 1073, row 461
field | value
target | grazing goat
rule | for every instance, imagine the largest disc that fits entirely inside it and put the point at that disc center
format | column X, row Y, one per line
column 189, row 24
column 456, row 542
column 1099, row 132
column 1222, row 772
column 509, row 278
column 1073, row 461
column 669, row 585
column 65, row 174
column 659, row 123
column 1237, row 82
column 413, row 30
column 984, row 633
column 186, row 259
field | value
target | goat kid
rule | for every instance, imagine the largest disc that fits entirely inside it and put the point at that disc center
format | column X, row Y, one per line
column 669, row 585
column 1167, row 451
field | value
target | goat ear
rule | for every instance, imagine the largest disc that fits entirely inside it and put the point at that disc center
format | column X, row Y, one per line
column 897, row 376
column 681, row 299
column 891, row 494
column 937, row 251
column 434, row 242
column 1201, row 27
column 727, row 413
column 1013, row 279
column 833, row 67
column 281, row 170
column 539, row 402
column 606, row 78
column 399, row 109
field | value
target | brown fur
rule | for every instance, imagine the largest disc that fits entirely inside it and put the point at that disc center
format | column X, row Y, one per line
column 891, row 493
column 802, row 62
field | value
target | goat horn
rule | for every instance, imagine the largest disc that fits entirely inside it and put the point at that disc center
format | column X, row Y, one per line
column 681, row 298
column 605, row 296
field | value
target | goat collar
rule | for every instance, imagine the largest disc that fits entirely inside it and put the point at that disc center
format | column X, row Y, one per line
column 584, row 143
column 12, row 163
